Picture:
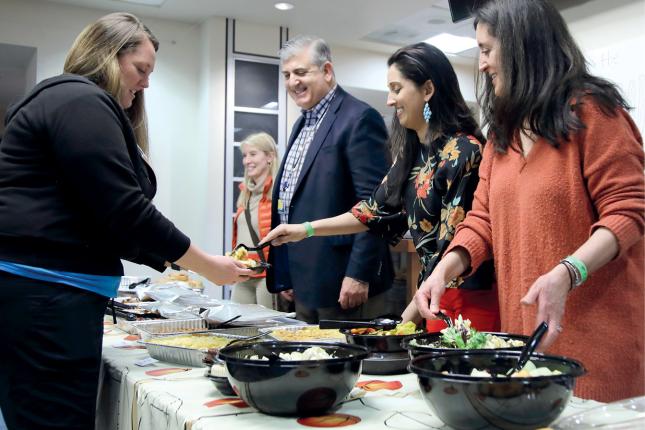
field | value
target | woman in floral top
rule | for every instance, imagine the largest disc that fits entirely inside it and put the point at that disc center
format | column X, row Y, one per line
column 436, row 145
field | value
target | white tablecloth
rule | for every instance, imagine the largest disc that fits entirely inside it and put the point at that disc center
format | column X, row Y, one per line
column 174, row 397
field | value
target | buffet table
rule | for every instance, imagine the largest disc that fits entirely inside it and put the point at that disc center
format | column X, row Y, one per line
column 169, row 396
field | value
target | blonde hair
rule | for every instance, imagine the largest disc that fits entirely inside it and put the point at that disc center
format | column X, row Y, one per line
column 265, row 143
column 95, row 56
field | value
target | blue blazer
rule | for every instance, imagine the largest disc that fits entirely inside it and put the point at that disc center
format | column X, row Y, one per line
column 344, row 164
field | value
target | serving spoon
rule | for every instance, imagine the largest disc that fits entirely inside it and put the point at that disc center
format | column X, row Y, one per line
column 382, row 323
column 529, row 348
column 251, row 248
column 445, row 318
column 248, row 338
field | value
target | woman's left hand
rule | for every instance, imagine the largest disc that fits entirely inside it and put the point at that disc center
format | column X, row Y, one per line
column 550, row 292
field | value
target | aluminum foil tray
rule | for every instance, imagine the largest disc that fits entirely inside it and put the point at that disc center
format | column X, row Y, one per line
column 130, row 326
column 181, row 355
column 149, row 329
column 295, row 329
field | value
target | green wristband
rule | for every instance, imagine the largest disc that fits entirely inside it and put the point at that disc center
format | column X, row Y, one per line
column 578, row 264
column 308, row 228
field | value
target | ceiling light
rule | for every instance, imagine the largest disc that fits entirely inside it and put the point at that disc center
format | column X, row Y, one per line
column 283, row 6
column 451, row 44
column 155, row 3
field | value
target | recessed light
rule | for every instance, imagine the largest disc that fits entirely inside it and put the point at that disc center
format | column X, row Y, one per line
column 283, row 6
column 451, row 44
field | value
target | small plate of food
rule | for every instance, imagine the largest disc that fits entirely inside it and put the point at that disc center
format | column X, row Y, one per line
column 241, row 254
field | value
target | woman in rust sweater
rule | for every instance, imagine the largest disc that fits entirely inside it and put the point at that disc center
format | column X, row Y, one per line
column 560, row 197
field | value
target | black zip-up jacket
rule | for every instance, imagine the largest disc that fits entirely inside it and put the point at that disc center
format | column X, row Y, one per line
column 75, row 193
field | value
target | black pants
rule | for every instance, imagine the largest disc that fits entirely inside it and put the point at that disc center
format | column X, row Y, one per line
column 50, row 337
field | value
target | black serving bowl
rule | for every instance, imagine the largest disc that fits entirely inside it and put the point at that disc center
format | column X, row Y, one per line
column 376, row 343
column 301, row 388
column 424, row 342
column 470, row 402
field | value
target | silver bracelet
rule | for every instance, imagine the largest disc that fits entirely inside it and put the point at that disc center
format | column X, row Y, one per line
column 574, row 275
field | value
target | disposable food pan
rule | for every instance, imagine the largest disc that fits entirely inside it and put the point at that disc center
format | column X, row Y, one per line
column 181, row 355
column 149, row 329
column 296, row 330
column 130, row 327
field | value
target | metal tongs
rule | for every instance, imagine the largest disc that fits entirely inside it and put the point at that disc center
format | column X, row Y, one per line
column 251, row 248
column 387, row 322
column 144, row 282
column 445, row 318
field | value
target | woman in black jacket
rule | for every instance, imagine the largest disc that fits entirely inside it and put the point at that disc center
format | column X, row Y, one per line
column 75, row 199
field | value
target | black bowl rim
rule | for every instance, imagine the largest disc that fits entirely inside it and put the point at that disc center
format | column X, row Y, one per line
column 578, row 367
column 361, row 352
column 405, row 343
column 347, row 332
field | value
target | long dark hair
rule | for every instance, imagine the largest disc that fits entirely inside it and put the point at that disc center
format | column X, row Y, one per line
column 419, row 63
column 544, row 74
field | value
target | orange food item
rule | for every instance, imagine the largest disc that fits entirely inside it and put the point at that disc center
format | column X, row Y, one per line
column 362, row 330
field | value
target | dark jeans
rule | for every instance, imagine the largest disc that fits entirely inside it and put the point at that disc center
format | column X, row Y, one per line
column 51, row 336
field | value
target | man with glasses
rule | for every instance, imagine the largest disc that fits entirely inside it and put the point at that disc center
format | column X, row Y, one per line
column 336, row 156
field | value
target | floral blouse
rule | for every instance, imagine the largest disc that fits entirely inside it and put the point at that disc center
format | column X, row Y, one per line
column 438, row 193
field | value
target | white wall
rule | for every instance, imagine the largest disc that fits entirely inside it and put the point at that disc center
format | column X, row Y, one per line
column 613, row 44
column 595, row 27
column 212, row 112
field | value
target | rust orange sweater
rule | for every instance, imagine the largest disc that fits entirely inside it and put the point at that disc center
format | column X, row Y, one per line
column 531, row 212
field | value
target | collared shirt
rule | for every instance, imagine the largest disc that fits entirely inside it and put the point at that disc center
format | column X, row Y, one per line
column 296, row 156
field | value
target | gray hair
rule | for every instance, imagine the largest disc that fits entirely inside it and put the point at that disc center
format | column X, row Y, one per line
column 320, row 51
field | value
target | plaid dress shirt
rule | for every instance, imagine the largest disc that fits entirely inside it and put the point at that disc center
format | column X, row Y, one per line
column 296, row 156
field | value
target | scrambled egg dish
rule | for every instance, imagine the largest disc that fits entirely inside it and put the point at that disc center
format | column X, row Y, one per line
column 241, row 254
column 307, row 333
column 192, row 341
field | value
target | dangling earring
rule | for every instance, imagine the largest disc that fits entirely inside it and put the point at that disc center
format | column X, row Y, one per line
column 427, row 113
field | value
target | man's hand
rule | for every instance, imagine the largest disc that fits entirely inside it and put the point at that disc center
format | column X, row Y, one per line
column 353, row 293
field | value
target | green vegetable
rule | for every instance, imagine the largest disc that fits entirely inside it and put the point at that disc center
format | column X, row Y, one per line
column 461, row 336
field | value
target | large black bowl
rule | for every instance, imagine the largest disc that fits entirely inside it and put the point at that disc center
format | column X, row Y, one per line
column 425, row 340
column 468, row 402
column 375, row 343
column 302, row 388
